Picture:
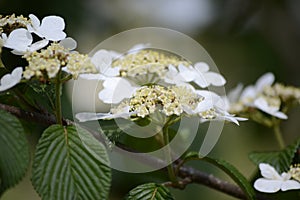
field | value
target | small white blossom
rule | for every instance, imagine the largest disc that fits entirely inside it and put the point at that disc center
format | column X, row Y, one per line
column 103, row 59
column 204, row 77
column 217, row 106
column 10, row 80
column 19, row 40
column 273, row 182
column 115, row 90
column 51, row 27
column 199, row 73
column 251, row 91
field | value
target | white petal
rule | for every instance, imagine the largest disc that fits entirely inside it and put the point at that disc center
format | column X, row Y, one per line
column 248, row 92
column 235, row 93
column 187, row 73
column 38, row 45
column 19, row 39
column 35, row 22
column 265, row 80
column 10, row 80
column 115, row 90
column 103, row 59
column 210, row 100
column 280, row 115
column 171, row 74
column 86, row 116
column 68, row 43
column 263, row 105
column 90, row 76
column 138, row 47
column 201, row 67
column 53, row 22
column 269, row 172
column 290, row 185
column 215, row 78
column 52, row 28
column 268, row 186
column 201, row 81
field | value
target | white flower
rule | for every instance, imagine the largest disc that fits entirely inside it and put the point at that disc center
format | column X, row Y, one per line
column 214, row 102
column 273, row 182
column 20, row 40
column 173, row 76
column 51, row 27
column 199, row 74
column 204, row 77
column 10, row 80
column 263, row 105
column 103, row 59
column 115, row 90
column 251, row 91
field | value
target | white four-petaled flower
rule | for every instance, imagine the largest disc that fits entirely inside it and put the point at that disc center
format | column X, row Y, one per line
column 51, row 27
column 273, row 182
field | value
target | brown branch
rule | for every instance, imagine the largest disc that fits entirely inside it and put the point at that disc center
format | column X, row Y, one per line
column 188, row 174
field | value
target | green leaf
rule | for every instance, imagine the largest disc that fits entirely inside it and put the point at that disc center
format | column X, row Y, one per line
column 280, row 160
column 70, row 163
column 14, row 159
column 234, row 174
column 150, row 191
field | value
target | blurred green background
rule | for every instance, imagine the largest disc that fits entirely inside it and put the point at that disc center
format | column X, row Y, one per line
column 245, row 38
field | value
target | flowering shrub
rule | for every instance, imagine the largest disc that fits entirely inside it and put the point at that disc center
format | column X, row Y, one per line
column 143, row 86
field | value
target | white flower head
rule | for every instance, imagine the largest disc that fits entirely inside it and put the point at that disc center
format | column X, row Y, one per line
column 10, row 80
column 273, row 182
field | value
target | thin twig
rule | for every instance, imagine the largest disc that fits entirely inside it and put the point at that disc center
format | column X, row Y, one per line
column 188, row 174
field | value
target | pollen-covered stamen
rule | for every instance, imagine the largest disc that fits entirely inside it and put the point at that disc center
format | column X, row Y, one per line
column 172, row 100
column 147, row 61
column 208, row 114
column 148, row 99
column 187, row 97
column 49, row 61
column 11, row 22
column 295, row 172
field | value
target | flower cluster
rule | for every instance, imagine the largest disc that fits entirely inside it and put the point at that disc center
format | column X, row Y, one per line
column 52, row 59
column 273, row 182
column 263, row 96
column 145, row 80
column 46, row 56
